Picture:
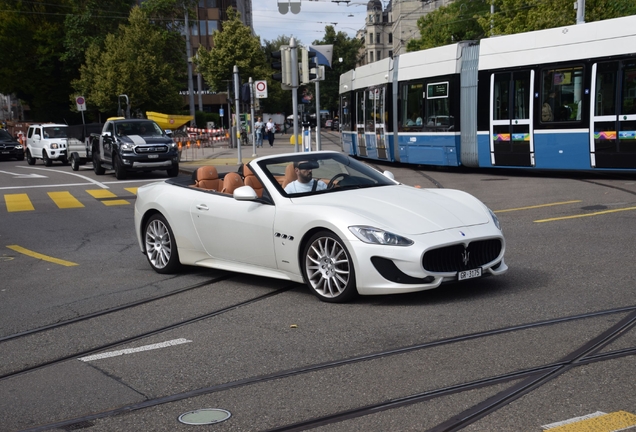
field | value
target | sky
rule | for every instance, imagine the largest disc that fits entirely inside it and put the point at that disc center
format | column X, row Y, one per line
column 308, row 25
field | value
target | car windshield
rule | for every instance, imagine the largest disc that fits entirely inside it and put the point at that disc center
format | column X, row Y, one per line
column 5, row 136
column 144, row 128
column 315, row 173
column 54, row 132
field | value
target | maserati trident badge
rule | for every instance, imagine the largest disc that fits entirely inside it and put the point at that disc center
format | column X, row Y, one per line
column 466, row 257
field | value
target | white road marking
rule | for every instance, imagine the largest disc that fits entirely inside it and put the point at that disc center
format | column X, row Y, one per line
column 24, row 175
column 134, row 350
column 88, row 179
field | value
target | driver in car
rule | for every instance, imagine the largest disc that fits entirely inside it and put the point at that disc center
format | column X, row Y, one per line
column 305, row 182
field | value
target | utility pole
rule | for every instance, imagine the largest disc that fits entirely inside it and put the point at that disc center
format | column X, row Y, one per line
column 238, row 113
column 252, row 117
column 189, row 58
column 294, row 86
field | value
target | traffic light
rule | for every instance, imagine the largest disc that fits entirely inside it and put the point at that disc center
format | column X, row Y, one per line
column 282, row 63
column 306, row 76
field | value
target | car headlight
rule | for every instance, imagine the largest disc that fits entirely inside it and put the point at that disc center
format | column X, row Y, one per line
column 495, row 219
column 18, row 147
column 54, row 145
column 126, row 147
column 173, row 145
column 378, row 236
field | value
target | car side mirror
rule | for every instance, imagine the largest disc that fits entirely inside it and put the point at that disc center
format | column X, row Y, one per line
column 245, row 193
column 106, row 134
column 389, row 174
column 37, row 137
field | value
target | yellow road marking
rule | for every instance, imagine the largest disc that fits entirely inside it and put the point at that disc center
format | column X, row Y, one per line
column 103, row 193
column 537, row 206
column 585, row 215
column 18, row 202
column 65, row 200
column 36, row 255
column 611, row 422
column 132, row 190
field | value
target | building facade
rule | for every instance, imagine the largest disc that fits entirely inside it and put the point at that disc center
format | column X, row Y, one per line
column 387, row 30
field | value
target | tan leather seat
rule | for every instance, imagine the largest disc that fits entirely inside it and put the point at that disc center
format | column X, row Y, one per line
column 290, row 175
column 207, row 178
column 231, row 181
column 253, row 181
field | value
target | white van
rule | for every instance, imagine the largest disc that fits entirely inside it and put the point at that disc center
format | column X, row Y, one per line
column 48, row 142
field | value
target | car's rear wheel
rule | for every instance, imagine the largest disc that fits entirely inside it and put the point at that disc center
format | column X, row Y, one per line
column 120, row 170
column 75, row 163
column 328, row 268
column 30, row 159
column 97, row 166
column 161, row 248
column 46, row 159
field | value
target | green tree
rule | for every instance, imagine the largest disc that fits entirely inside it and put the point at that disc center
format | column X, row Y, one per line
column 235, row 45
column 132, row 62
column 345, row 48
column 31, row 41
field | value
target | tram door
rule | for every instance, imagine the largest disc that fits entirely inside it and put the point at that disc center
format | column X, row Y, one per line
column 360, row 121
column 511, row 141
column 375, row 121
column 613, row 128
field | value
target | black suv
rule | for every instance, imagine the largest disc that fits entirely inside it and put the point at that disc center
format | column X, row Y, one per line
column 10, row 147
column 133, row 145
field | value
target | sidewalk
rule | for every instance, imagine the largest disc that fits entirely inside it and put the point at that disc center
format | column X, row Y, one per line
column 222, row 156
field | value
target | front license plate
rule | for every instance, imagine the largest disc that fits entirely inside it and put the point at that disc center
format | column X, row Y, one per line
column 469, row 274
column 153, row 156
column 5, row 152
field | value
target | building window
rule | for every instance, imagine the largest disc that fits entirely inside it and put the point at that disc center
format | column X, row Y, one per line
column 391, row 53
column 390, row 37
column 212, row 27
column 379, row 55
column 370, row 38
column 202, row 25
column 370, row 56
column 378, row 38
column 194, row 30
column 370, row 18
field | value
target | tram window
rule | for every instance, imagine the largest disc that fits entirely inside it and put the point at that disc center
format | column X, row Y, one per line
column 562, row 94
column 629, row 88
column 412, row 104
column 345, row 113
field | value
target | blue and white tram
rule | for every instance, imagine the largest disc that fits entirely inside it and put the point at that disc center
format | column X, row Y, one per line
column 562, row 99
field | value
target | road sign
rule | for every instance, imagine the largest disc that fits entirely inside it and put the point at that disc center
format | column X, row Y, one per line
column 81, row 103
column 221, row 112
column 260, row 89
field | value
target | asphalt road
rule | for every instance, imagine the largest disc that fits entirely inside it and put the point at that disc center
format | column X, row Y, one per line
column 551, row 340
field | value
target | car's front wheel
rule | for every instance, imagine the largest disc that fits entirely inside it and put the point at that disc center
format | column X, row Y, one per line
column 30, row 159
column 120, row 170
column 328, row 268
column 46, row 159
column 97, row 165
column 161, row 248
column 75, row 163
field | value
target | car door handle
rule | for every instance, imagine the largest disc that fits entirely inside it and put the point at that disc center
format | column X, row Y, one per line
column 202, row 207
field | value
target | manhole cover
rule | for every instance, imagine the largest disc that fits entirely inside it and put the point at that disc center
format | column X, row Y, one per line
column 204, row 416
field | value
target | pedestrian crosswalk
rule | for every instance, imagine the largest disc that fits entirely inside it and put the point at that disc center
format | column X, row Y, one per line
column 23, row 202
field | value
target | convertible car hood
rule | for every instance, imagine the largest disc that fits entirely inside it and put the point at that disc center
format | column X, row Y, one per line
column 408, row 210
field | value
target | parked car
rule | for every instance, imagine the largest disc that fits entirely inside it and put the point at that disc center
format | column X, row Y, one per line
column 353, row 231
column 10, row 147
column 47, row 142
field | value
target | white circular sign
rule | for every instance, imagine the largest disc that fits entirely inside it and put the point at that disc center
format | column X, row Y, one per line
column 261, row 85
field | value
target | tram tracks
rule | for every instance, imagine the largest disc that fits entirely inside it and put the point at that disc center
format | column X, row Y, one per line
column 528, row 379
column 137, row 336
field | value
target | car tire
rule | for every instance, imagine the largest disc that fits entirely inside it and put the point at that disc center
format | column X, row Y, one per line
column 97, row 166
column 46, row 159
column 120, row 170
column 328, row 268
column 160, row 246
column 30, row 159
column 75, row 163
column 174, row 171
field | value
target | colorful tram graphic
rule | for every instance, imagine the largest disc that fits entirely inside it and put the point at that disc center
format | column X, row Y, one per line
column 556, row 99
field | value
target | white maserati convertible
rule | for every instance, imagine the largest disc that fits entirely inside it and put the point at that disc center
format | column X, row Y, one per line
column 321, row 218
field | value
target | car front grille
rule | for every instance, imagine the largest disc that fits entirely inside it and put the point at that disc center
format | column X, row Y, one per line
column 457, row 257
column 151, row 149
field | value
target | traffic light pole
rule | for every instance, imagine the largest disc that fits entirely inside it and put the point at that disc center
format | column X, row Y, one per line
column 318, row 117
column 237, row 133
column 294, row 86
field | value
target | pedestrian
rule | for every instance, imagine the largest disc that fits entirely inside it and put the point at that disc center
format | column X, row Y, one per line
column 271, row 129
column 259, row 128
